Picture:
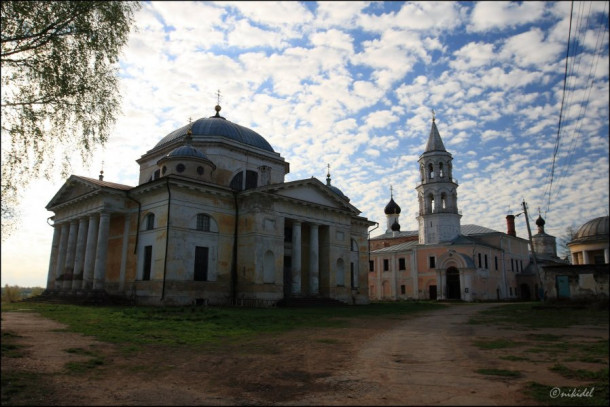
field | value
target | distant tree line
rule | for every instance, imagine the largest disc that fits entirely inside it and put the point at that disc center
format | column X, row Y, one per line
column 15, row 293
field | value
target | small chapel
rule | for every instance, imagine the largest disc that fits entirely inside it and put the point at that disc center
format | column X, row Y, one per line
column 443, row 259
column 211, row 221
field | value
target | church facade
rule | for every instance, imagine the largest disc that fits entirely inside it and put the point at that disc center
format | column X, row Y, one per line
column 444, row 259
column 212, row 221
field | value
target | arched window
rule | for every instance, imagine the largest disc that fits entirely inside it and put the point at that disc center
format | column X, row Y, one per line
column 150, row 221
column 441, row 173
column 443, row 201
column 354, row 247
column 430, row 171
column 431, row 203
column 237, row 182
column 269, row 267
column 203, row 222
column 340, row 273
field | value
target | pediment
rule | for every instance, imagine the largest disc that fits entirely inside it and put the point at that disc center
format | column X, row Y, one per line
column 75, row 187
column 311, row 191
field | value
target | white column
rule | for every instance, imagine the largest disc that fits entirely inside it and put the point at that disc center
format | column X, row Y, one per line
column 585, row 257
column 69, row 266
column 314, row 260
column 79, row 257
column 90, row 252
column 296, row 258
column 61, row 255
column 101, row 252
column 124, row 252
column 606, row 256
column 53, row 258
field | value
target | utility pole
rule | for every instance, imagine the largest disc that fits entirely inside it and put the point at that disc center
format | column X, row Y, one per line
column 529, row 232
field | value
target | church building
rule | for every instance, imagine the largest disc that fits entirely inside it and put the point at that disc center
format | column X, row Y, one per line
column 211, row 221
column 443, row 259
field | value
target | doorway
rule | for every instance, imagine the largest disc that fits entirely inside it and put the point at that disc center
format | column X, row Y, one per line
column 453, row 284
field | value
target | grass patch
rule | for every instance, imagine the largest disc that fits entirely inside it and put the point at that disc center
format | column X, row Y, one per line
column 580, row 374
column 134, row 326
column 544, row 337
column 533, row 315
column 496, row 344
column 595, row 394
column 8, row 346
column 514, row 358
column 23, row 389
column 329, row 341
column 499, row 372
column 81, row 367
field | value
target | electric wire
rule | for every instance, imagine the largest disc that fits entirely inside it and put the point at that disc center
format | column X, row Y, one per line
column 584, row 103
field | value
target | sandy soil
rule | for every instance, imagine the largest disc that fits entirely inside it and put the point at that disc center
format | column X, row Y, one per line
column 429, row 359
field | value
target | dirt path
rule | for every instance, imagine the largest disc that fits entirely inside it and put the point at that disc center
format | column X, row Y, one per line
column 429, row 359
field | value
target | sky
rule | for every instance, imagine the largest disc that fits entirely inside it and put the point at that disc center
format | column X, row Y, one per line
column 353, row 84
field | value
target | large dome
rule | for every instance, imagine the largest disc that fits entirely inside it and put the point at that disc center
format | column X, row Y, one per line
column 218, row 126
column 596, row 229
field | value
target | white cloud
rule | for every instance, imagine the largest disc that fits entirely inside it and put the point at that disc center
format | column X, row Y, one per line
column 498, row 15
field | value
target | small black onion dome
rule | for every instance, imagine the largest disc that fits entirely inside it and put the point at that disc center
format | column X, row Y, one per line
column 392, row 208
column 395, row 226
column 540, row 222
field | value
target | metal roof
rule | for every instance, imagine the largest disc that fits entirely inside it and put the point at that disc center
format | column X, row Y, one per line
column 218, row 126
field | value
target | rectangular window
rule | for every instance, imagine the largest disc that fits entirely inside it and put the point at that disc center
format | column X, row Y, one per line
column 203, row 222
column 353, row 279
column 150, row 221
column 386, row 264
column 432, row 261
column 486, row 266
column 201, row 263
column 251, row 179
column 496, row 262
column 511, row 291
column 403, row 289
column 521, row 261
column 479, row 260
column 147, row 263
column 371, row 266
column 512, row 265
column 401, row 264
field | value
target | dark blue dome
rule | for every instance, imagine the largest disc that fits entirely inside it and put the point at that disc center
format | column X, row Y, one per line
column 338, row 192
column 220, row 127
column 187, row 151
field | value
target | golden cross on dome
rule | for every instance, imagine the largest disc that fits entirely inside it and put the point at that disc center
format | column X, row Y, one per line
column 391, row 192
column 218, row 97
column 433, row 115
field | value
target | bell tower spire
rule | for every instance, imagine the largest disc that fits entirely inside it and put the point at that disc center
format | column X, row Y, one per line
column 438, row 217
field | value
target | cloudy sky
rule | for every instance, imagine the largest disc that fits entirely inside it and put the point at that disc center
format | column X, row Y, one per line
column 354, row 84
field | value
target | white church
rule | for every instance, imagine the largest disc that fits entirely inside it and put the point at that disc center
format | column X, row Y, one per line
column 211, row 221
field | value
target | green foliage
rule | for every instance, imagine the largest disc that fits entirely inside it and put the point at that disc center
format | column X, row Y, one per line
column 59, row 86
column 15, row 293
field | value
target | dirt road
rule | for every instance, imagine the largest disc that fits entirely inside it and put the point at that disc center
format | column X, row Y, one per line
column 429, row 359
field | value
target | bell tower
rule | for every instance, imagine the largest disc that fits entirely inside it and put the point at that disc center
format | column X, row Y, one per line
column 438, row 217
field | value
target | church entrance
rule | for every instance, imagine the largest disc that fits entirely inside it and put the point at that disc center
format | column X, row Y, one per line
column 453, row 284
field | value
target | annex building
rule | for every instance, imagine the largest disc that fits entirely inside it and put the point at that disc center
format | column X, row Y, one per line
column 211, row 220
column 444, row 259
